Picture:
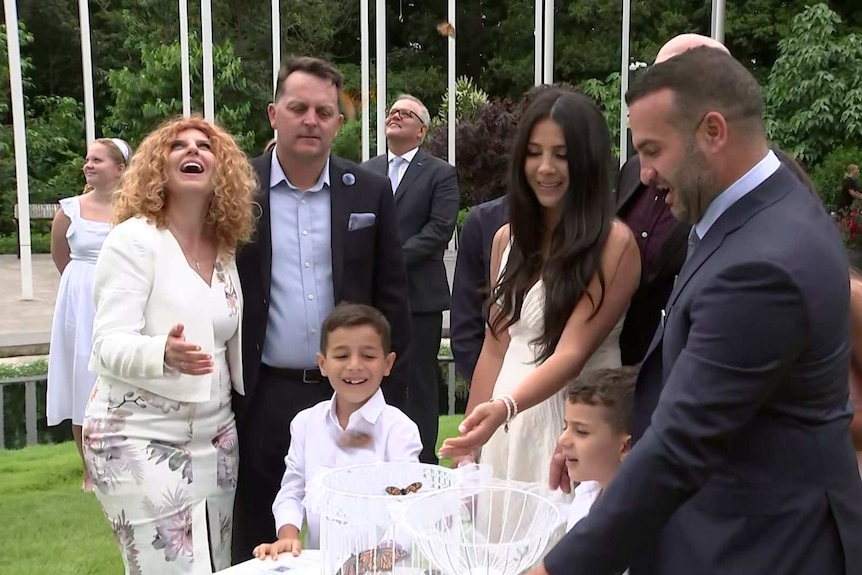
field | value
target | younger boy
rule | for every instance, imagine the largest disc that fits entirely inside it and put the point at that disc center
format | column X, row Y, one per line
column 354, row 427
column 597, row 435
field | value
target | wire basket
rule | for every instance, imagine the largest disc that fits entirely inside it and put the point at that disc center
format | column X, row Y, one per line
column 481, row 530
column 359, row 509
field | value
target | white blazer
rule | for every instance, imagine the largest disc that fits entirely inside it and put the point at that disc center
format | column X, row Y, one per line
column 141, row 291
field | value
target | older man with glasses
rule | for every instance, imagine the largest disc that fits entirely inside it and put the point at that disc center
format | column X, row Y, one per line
column 426, row 202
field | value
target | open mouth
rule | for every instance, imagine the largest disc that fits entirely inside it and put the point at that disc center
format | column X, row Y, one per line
column 355, row 381
column 550, row 185
column 192, row 167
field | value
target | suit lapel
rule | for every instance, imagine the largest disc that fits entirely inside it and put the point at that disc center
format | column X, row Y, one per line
column 341, row 202
column 413, row 171
column 263, row 167
column 770, row 191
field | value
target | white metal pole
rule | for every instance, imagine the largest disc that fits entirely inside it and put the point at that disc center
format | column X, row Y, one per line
column 718, row 16
column 87, row 65
column 538, row 43
column 451, row 81
column 20, row 136
column 207, row 45
column 184, row 58
column 365, row 66
column 548, row 56
column 380, row 29
column 276, row 43
column 624, row 82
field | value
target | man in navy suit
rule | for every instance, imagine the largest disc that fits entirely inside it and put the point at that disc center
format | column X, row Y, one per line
column 743, row 462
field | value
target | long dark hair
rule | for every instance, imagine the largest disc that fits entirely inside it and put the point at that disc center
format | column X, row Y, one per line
column 577, row 241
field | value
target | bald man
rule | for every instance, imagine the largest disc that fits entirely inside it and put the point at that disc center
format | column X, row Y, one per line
column 662, row 239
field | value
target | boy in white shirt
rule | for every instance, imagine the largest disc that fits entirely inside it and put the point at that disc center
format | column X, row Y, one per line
column 597, row 436
column 356, row 426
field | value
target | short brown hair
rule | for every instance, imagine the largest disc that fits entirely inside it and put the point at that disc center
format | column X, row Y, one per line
column 356, row 315
column 613, row 389
column 703, row 79
column 314, row 66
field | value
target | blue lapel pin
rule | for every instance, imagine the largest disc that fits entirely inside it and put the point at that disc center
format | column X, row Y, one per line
column 348, row 179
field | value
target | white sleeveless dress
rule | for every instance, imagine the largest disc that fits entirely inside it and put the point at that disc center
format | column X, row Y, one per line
column 69, row 380
column 524, row 453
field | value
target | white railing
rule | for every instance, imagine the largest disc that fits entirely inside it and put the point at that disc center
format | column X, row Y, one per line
column 30, row 382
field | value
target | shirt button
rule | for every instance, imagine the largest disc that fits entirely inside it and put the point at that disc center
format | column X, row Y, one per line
column 311, row 296
column 313, row 330
column 305, row 232
column 302, row 202
column 308, row 264
column 644, row 234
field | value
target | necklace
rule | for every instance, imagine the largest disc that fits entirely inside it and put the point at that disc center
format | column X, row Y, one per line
column 184, row 250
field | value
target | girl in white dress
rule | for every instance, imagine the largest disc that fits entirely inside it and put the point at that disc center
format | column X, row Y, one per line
column 565, row 271
column 159, row 432
column 77, row 233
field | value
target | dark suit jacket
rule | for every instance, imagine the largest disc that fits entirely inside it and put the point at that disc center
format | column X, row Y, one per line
column 472, row 282
column 644, row 312
column 747, row 465
column 367, row 264
column 427, row 206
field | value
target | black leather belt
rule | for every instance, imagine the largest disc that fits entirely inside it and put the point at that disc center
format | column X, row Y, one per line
column 303, row 375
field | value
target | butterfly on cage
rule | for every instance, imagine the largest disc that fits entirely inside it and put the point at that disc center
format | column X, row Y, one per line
column 446, row 29
column 375, row 560
column 412, row 488
column 352, row 439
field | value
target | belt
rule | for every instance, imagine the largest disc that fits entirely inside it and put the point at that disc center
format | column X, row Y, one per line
column 303, row 375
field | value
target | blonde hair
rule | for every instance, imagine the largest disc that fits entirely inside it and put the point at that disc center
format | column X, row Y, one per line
column 142, row 191
column 852, row 168
column 114, row 152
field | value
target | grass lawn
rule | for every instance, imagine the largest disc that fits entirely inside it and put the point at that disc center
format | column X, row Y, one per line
column 48, row 525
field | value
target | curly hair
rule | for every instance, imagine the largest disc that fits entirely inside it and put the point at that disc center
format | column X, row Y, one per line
column 142, row 190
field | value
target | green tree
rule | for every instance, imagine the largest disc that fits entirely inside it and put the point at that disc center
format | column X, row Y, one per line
column 146, row 97
column 814, row 92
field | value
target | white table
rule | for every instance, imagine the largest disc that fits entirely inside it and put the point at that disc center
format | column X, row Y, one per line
column 308, row 563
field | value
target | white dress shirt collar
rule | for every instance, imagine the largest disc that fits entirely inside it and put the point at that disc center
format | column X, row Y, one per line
column 406, row 156
column 277, row 175
column 370, row 412
column 739, row 189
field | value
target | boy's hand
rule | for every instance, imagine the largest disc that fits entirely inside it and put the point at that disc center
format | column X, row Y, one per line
column 272, row 550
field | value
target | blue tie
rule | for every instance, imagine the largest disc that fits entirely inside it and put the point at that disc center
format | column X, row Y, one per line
column 394, row 168
column 693, row 241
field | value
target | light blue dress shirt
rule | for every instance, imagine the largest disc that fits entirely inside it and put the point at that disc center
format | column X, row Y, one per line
column 301, row 292
column 738, row 190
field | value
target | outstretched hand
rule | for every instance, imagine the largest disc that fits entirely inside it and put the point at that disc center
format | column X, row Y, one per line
column 476, row 429
column 186, row 357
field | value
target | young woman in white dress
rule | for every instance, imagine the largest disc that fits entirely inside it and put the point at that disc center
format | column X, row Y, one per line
column 566, row 270
column 77, row 233
column 159, row 432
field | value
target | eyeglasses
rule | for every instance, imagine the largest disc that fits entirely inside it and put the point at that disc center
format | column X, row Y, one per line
column 401, row 112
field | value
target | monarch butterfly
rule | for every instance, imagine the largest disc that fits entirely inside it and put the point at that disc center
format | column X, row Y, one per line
column 412, row 488
column 446, row 29
column 372, row 561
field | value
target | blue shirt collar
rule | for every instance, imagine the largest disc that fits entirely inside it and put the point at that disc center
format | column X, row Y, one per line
column 738, row 190
column 277, row 175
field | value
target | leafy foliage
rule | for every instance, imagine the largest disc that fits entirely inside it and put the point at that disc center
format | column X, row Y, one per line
column 468, row 100
column 146, row 97
column 482, row 144
column 814, row 93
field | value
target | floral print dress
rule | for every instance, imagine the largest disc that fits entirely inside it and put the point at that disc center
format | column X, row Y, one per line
column 165, row 471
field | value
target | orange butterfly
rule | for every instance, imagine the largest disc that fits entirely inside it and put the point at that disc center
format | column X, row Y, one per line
column 446, row 29
column 412, row 488
column 372, row 561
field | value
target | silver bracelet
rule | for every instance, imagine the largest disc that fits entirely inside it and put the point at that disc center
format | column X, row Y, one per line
column 511, row 409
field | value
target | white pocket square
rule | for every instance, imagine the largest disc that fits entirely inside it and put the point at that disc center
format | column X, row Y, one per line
column 360, row 221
